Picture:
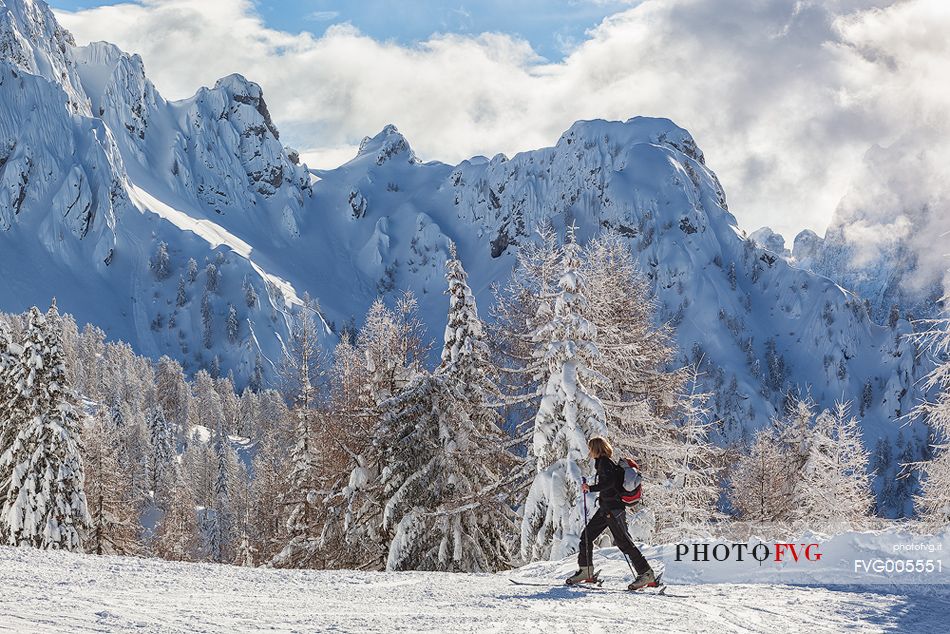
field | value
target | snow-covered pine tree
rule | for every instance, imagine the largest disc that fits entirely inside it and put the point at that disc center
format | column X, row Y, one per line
column 518, row 310
column 222, row 534
column 245, row 554
column 351, row 510
column 230, row 403
column 256, row 382
column 445, row 469
column 134, row 451
column 301, row 498
column 233, row 325
column 249, row 414
column 173, row 395
column 114, row 525
column 91, row 351
column 834, row 492
column 192, row 270
column 760, row 489
column 569, row 414
column 9, row 426
column 9, row 352
column 6, row 354
column 161, row 454
column 206, row 403
column 198, row 468
column 795, row 433
column 907, row 485
column 266, row 519
column 299, row 369
column 409, row 439
column 45, row 505
column 884, row 472
column 684, row 502
column 181, row 296
column 473, row 376
column 933, row 501
column 161, row 262
column 300, row 366
column 393, row 345
column 867, row 397
column 634, row 352
column 177, row 535
column 212, row 278
column 69, row 340
column 388, row 353
column 250, row 295
column 207, row 320
column 882, row 457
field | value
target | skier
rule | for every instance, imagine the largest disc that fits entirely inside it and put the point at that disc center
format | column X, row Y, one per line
column 610, row 514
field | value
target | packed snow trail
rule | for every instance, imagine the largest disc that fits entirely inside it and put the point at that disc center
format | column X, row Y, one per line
column 61, row 592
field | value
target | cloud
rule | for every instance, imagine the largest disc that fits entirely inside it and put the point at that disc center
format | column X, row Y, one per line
column 899, row 196
column 784, row 96
column 322, row 16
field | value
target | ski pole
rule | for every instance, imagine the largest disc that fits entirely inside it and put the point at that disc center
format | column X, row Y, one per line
column 590, row 561
column 622, row 525
column 584, row 499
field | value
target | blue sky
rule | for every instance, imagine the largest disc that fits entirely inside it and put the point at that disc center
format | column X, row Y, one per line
column 553, row 27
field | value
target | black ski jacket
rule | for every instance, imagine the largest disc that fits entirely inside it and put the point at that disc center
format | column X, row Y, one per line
column 609, row 483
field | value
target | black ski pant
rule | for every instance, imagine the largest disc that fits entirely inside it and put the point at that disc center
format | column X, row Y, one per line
column 615, row 520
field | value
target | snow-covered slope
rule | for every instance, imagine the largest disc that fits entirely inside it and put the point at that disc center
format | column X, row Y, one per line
column 208, row 176
column 97, row 170
column 61, row 592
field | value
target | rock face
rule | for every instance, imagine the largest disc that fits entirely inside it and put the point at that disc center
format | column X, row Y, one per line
column 806, row 247
column 770, row 241
column 32, row 41
column 61, row 176
column 97, row 170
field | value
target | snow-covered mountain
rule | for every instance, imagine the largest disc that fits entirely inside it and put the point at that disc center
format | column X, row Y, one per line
column 97, row 171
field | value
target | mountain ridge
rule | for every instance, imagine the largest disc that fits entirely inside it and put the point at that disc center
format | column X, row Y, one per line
column 209, row 178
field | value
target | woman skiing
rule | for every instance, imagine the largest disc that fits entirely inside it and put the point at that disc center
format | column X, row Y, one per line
column 611, row 514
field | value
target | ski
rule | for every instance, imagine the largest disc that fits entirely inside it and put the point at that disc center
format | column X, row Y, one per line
column 659, row 590
column 594, row 582
column 540, row 584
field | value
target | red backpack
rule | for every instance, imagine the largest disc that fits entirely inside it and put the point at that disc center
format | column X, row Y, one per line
column 632, row 489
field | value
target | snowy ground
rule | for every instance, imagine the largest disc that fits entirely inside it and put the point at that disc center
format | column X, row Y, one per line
column 57, row 592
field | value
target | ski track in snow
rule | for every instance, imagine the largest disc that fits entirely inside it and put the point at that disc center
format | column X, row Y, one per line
column 61, row 592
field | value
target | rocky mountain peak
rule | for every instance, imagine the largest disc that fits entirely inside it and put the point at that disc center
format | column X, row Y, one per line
column 806, row 246
column 767, row 239
column 386, row 146
column 32, row 40
column 247, row 93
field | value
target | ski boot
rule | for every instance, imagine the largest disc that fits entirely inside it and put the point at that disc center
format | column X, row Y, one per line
column 585, row 574
column 647, row 579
